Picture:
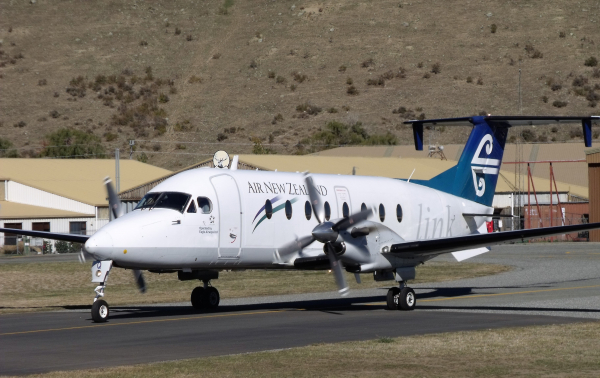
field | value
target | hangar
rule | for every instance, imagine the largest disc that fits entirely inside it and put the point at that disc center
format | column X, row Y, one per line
column 61, row 195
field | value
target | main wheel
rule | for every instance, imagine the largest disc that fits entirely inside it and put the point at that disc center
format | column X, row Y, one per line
column 198, row 298
column 392, row 298
column 211, row 297
column 407, row 299
column 100, row 311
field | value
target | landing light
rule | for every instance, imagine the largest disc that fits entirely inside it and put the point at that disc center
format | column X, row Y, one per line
column 98, row 273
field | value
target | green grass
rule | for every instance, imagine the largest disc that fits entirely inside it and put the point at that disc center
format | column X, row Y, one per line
column 48, row 286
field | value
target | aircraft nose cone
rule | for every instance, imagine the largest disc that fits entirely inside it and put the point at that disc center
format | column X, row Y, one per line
column 100, row 245
column 324, row 233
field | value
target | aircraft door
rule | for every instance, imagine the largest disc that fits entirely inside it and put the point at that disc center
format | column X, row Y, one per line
column 342, row 197
column 230, row 216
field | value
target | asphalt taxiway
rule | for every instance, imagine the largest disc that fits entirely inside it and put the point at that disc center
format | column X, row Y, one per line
column 550, row 284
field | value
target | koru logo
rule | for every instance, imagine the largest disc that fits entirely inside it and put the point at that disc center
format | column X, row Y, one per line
column 482, row 166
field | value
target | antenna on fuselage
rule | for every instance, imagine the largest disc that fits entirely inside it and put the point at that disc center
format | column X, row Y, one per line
column 234, row 163
column 413, row 172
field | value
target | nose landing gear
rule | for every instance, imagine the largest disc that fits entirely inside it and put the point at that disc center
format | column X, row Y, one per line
column 100, row 271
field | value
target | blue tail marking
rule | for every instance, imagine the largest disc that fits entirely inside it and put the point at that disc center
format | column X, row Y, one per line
column 476, row 174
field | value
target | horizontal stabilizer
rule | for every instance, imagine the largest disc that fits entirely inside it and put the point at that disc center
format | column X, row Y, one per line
column 471, row 215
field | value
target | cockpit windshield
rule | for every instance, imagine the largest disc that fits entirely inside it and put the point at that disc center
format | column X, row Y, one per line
column 148, row 201
column 166, row 200
column 172, row 200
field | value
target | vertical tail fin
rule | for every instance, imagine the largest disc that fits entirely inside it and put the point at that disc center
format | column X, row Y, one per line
column 476, row 174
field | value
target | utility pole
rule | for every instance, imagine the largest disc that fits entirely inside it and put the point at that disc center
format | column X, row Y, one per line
column 520, row 96
column 131, row 144
column 117, row 171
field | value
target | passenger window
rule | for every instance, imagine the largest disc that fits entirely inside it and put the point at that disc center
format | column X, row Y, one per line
column 399, row 213
column 307, row 210
column 268, row 209
column 288, row 209
column 345, row 210
column 192, row 207
column 363, row 207
column 381, row 212
column 205, row 205
column 327, row 211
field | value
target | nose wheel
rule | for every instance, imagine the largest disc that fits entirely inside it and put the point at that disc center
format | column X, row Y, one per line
column 100, row 311
column 401, row 299
column 205, row 297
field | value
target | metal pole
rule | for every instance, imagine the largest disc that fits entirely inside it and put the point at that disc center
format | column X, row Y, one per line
column 117, row 171
column 551, row 197
column 520, row 97
column 512, row 212
column 528, row 200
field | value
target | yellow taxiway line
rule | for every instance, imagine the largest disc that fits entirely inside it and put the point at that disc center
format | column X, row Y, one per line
column 142, row 322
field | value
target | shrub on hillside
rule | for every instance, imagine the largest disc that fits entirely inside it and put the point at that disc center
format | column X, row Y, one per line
column 559, row 104
column 591, row 62
column 7, row 150
column 70, row 143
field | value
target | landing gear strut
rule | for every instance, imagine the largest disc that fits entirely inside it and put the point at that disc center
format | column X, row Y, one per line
column 205, row 297
column 401, row 298
column 100, row 271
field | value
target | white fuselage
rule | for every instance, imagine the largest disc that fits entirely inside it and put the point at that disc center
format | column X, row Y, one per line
column 237, row 234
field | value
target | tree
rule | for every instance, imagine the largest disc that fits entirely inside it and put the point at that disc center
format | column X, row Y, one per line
column 72, row 143
column 6, row 150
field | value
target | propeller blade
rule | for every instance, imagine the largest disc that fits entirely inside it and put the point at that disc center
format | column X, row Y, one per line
column 114, row 203
column 296, row 245
column 352, row 220
column 315, row 199
column 139, row 280
column 337, row 269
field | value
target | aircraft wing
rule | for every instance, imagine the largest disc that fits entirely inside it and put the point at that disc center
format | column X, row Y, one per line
column 48, row 235
column 459, row 243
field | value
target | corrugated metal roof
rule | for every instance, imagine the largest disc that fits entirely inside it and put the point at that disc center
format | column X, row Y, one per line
column 77, row 179
column 13, row 210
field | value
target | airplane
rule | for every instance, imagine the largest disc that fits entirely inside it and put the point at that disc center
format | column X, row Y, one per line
column 202, row 221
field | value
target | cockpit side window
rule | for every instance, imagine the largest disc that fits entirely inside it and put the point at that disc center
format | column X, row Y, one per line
column 172, row 200
column 205, row 205
column 148, row 201
column 192, row 207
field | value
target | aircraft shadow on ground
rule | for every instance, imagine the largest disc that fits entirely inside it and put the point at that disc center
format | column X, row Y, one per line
column 322, row 305
column 332, row 306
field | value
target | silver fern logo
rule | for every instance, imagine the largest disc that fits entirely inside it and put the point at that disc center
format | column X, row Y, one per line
column 483, row 166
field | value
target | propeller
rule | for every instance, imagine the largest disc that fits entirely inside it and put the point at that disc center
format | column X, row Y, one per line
column 327, row 233
column 114, row 203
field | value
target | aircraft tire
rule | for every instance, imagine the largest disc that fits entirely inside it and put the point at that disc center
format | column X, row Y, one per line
column 391, row 300
column 100, row 311
column 211, row 297
column 407, row 299
column 197, row 298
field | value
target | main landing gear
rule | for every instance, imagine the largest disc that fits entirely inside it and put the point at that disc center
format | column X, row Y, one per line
column 205, row 297
column 401, row 298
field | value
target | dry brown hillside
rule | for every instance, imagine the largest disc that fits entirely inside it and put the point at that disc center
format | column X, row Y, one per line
column 244, row 69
